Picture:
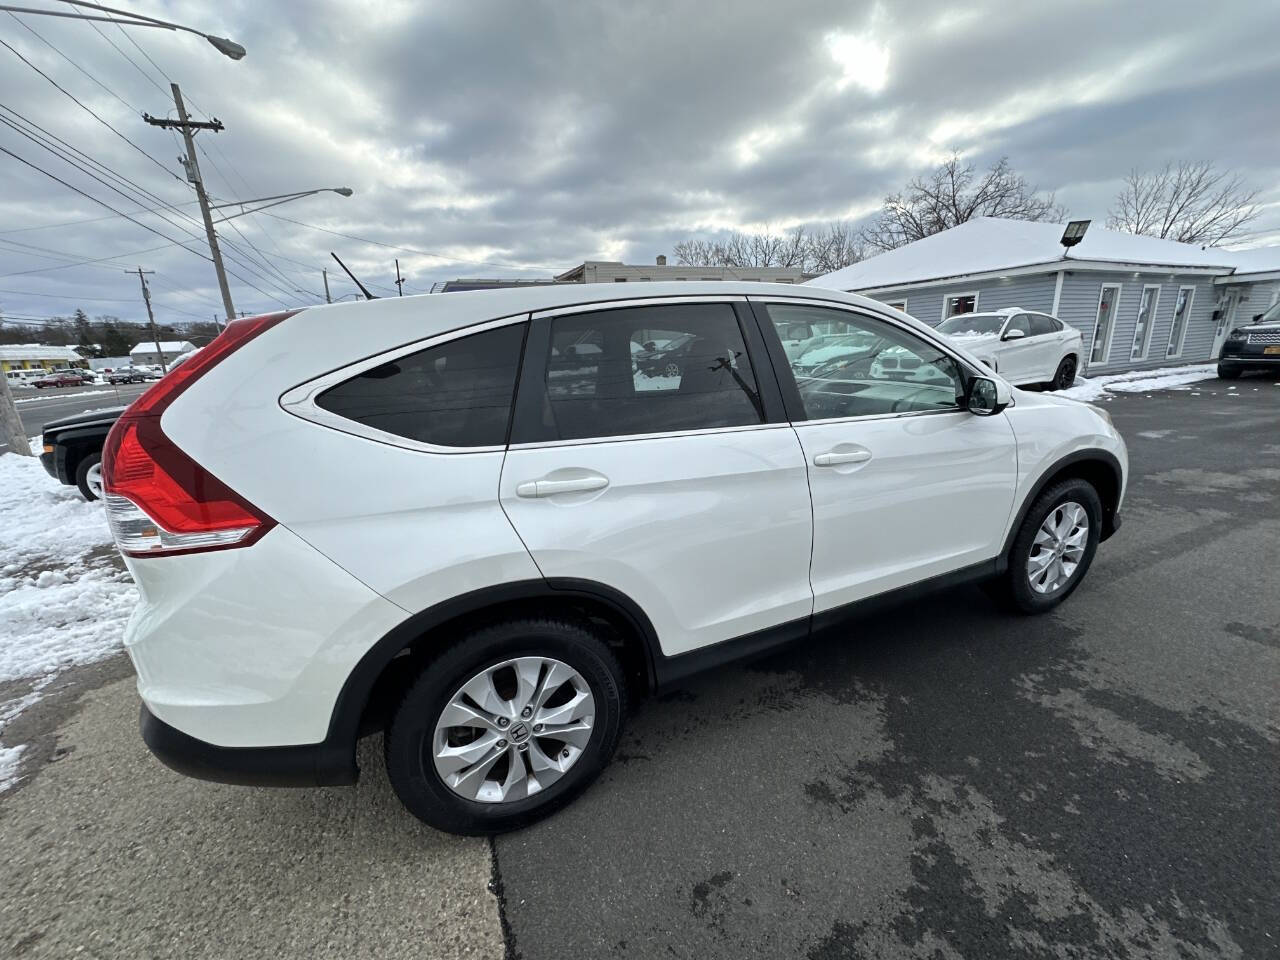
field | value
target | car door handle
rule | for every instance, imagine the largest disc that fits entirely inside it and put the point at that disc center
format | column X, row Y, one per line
column 548, row 488
column 834, row 458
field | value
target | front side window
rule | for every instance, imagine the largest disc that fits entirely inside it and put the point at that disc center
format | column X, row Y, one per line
column 867, row 367
column 646, row 370
column 456, row 394
column 1020, row 322
column 1041, row 325
column 960, row 303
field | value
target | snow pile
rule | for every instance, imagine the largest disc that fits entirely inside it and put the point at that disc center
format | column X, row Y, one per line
column 1139, row 381
column 75, row 396
column 64, row 599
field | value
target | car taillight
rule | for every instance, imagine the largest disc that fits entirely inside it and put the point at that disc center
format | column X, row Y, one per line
column 159, row 501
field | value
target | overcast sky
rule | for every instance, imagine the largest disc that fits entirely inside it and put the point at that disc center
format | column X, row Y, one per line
column 520, row 138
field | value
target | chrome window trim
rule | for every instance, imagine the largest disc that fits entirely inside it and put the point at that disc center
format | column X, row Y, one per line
column 669, row 435
column 300, row 401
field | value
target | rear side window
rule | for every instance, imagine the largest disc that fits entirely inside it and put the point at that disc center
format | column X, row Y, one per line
column 457, row 394
column 639, row 370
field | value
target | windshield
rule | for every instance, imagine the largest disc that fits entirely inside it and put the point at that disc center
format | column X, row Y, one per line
column 972, row 324
column 1271, row 316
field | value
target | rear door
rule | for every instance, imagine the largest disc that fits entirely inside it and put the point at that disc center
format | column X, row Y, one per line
column 684, row 489
column 906, row 484
column 1018, row 358
column 1049, row 338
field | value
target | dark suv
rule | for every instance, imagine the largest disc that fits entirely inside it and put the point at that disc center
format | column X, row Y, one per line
column 73, row 449
column 1252, row 347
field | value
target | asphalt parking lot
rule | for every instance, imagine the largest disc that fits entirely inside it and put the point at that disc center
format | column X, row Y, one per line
column 938, row 780
column 38, row 407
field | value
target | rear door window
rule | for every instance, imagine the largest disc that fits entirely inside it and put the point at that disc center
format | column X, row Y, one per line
column 456, row 394
column 645, row 370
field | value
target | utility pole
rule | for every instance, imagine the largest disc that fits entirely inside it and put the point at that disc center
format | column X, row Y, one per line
column 325, row 274
column 187, row 125
column 155, row 334
column 399, row 279
column 10, row 422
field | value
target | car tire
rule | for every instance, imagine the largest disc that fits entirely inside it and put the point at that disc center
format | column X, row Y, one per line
column 1064, row 376
column 1018, row 588
column 89, row 475
column 414, row 736
column 1227, row 372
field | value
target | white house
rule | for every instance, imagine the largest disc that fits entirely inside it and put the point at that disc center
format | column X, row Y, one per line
column 1138, row 301
column 145, row 352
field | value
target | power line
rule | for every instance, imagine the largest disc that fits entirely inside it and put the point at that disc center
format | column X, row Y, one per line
column 74, row 223
column 89, row 111
column 120, row 213
column 32, row 30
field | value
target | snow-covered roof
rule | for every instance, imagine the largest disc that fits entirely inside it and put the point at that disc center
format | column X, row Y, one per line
column 168, row 346
column 1257, row 260
column 36, row 351
column 990, row 244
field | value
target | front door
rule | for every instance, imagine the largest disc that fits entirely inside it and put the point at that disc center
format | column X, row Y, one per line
column 683, row 491
column 1017, row 357
column 1226, row 320
column 906, row 485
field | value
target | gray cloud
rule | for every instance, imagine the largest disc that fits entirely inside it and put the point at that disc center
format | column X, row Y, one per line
column 534, row 135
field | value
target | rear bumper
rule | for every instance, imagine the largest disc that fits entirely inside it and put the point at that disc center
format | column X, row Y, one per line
column 308, row 765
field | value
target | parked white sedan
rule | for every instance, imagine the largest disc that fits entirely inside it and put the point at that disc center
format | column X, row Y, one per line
column 1021, row 346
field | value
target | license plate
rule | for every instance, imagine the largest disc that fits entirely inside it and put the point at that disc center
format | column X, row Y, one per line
column 1270, row 350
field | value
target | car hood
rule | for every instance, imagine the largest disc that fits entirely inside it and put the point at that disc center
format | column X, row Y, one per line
column 976, row 342
column 1260, row 327
column 103, row 415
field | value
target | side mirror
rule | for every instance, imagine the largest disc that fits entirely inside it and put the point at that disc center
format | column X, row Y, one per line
column 1014, row 334
column 987, row 397
column 1257, row 317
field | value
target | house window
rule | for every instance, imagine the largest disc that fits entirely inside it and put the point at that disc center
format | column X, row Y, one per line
column 1146, row 320
column 1105, row 322
column 1178, row 329
column 959, row 303
column 902, row 305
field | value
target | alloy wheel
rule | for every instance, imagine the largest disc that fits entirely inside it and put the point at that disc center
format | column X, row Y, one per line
column 1067, row 375
column 1058, row 548
column 513, row 729
column 93, row 479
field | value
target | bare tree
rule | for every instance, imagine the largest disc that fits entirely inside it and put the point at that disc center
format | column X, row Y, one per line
column 811, row 250
column 1189, row 201
column 835, row 246
column 954, row 194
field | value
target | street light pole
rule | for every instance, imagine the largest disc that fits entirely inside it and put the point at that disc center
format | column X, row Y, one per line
column 155, row 333
column 224, row 46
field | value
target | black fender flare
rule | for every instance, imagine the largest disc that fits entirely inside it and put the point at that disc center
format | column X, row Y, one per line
column 336, row 763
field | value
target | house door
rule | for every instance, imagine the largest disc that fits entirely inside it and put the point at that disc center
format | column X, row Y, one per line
column 1226, row 320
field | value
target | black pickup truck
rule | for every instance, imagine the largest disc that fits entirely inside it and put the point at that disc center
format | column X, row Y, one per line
column 73, row 449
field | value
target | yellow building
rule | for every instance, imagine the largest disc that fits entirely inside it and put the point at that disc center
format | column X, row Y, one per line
column 36, row 356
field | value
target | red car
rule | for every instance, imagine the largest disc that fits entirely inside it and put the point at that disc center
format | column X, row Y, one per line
column 60, row 380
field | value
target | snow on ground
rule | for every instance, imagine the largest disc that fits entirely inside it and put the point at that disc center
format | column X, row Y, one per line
column 77, row 396
column 1139, row 381
column 64, row 598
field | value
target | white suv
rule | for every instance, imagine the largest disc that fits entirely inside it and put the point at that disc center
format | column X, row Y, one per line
column 442, row 515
